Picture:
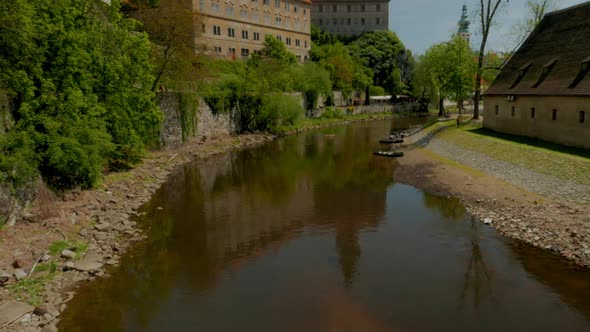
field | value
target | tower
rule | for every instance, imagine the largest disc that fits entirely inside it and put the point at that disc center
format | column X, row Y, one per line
column 464, row 23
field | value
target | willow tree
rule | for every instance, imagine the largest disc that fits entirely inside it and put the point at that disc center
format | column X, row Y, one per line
column 487, row 14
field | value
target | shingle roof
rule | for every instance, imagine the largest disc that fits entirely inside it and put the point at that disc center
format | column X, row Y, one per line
column 562, row 35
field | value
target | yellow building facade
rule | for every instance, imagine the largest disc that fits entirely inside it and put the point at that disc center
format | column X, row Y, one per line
column 237, row 29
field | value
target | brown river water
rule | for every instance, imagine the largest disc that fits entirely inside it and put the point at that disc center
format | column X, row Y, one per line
column 312, row 233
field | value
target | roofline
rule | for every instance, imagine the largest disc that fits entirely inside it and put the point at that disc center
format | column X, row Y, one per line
column 538, row 94
column 566, row 9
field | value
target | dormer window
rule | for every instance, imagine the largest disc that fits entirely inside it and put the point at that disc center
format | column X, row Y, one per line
column 546, row 70
column 521, row 72
column 584, row 69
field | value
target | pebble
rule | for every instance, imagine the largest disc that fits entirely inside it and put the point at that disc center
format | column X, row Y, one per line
column 488, row 221
column 19, row 274
column 68, row 254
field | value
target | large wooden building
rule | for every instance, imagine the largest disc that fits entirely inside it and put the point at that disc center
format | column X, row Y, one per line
column 350, row 17
column 544, row 90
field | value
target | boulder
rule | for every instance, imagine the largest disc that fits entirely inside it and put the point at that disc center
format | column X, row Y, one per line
column 90, row 262
column 12, row 311
column 68, row 254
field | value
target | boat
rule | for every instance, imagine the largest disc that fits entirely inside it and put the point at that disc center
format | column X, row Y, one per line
column 391, row 141
column 391, row 154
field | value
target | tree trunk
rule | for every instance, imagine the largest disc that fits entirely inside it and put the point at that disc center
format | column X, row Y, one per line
column 367, row 99
column 441, row 105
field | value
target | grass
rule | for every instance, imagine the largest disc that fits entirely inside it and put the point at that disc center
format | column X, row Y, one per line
column 543, row 157
column 31, row 289
column 50, row 267
column 78, row 247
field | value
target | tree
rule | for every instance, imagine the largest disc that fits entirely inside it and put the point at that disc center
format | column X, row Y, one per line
column 171, row 26
column 447, row 68
column 387, row 57
column 536, row 9
column 487, row 13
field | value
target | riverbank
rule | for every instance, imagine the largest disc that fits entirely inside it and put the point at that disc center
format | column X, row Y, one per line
column 528, row 193
column 75, row 238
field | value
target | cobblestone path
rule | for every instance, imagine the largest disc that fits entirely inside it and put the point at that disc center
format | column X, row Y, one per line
column 542, row 184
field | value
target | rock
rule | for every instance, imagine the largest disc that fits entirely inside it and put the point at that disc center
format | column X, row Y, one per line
column 68, row 254
column 111, row 262
column 12, row 311
column 4, row 280
column 49, row 328
column 19, row 274
column 18, row 263
column 488, row 221
column 68, row 266
column 102, row 226
column 26, row 318
column 45, row 258
column 90, row 262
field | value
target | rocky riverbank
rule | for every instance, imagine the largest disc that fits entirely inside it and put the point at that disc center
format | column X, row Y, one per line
column 74, row 238
column 559, row 225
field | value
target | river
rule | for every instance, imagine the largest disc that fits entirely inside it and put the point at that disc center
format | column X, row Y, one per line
column 312, row 233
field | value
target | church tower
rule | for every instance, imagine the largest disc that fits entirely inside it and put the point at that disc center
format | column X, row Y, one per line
column 464, row 23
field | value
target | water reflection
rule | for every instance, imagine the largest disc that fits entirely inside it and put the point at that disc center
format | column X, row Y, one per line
column 310, row 233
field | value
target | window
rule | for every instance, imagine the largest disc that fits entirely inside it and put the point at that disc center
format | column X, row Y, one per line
column 497, row 109
column 255, row 17
column 256, row 36
column 280, row 38
column 584, row 69
column 245, row 52
column 378, row 7
column 243, row 13
column 287, row 5
column 267, row 18
column 349, row 8
column 244, row 34
column 288, row 41
column 216, row 30
column 582, row 116
column 217, row 49
column 231, row 51
column 305, row 43
column 277, row 3
column 203, row 28
column 523, row 70
column 215, row 8
column 334, row 8
column 202, row 5
column 532, row 112
column 295, row 8
column 362, row 8
column 377, row 20
column 513, row 110
column 278, row 21
column 229, row 11
column 297, row 42
column 348, row 21
column 546, row 69
column 321, row 8
column 231, row 32
column 288, row 23
column 266, row 2
column 321, row 21
column 305, row 12
column 363, row 21
column 554, row 115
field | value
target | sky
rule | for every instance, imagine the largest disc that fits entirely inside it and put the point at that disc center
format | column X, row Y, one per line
column 423, row 23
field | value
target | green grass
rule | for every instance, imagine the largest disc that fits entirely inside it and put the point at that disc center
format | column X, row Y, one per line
column 78, row 247
column 31, row 289
column 50, row 267
column 543, row 157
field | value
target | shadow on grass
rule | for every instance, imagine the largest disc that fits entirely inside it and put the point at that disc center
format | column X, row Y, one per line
column 534, row 142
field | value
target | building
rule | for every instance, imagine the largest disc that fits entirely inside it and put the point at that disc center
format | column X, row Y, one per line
column 350, row 17
column 237, row 28
column 464, row 23
column 544, row 89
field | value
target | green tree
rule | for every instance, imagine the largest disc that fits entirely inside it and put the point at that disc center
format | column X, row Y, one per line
column 387, row 57
column 449, row 68
column 78, row 78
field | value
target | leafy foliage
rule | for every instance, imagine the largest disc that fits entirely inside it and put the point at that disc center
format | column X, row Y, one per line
column 77, row 74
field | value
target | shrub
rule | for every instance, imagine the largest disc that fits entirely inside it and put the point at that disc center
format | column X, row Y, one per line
column 331, row 112
column 376, row 91
column 279, row 110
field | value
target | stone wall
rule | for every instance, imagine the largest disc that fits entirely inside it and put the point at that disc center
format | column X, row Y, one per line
column 566, row 128
column 206, row 123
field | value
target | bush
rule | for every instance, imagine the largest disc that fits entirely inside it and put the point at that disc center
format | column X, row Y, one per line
column 331, row 112
column 376, row 91
column 279, row 110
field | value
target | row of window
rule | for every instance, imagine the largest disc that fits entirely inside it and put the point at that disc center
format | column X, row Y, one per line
column 348, row 21
column 583, row 71
column 231, row 32
column 229, row 10
column 581, row 114
column 244, row 52
column 349, row 8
